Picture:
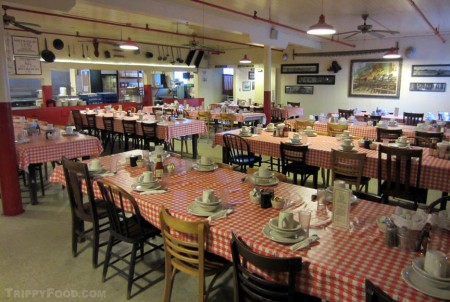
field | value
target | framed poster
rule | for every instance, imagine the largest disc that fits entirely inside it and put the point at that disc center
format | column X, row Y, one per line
column 251, row 75
column 427, row 87
column 293, row 89
column 375, row 78
column 316, row 79
column 430, row 70
column 25, row 46
column 28, row 65
column 300, row 68
column 246, row 85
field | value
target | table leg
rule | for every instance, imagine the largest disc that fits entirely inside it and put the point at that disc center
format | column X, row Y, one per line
column 32, row 186
column 225, row 158
column 194, row 146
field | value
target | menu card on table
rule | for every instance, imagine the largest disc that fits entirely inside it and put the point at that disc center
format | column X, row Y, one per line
column 341, row 207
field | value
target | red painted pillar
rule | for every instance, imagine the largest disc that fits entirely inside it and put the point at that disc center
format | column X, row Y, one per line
column 47, row 93
column 9, row 176
column 148, row 92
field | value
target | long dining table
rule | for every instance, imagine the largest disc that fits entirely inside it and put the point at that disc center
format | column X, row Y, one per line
column 435, row 172
column 38, row 149
column 335, row 269
column 164, row 130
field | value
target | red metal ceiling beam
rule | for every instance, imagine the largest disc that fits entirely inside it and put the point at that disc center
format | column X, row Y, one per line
column 254, row 16
column 434, row 29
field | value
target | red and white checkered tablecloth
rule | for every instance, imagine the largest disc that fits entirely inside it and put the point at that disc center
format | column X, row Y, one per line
column 165, row 131
column 41, row 150
column 388, row 117
column 334, row 270
column 435, row 172
column 363, row 130
column 287, row 112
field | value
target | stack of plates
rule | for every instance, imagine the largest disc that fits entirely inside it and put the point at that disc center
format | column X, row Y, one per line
column 439, row 282
column 97, row 171
column 204, row 167
column 310, row 133
column 141, row 186
column 282, row 235
column 205, row 209
column 245, row 134
column 269, row 180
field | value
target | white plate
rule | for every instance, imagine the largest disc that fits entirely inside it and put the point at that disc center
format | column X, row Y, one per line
column 289, row 141
column 414, row 280
column 273, row 223
column 199, row 200
column 199, row 163
column 271, row 235
column 150, row 184
column 272, row 181
column 246, row 134
column 311, row 134
column 204, row 168
column 24, row 141
column 269, row 130
column 256, row 175
column 351, row 150
column 418, row 264
column 397, row 146
column 140, row 188
column 198, row 211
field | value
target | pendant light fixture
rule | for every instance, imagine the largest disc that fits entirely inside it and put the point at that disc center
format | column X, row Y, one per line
column 129, row 45
column 245, row 60
column 392, row 53
column 321, row 28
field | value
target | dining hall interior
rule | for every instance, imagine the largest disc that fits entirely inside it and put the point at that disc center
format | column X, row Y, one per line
column 269, row 150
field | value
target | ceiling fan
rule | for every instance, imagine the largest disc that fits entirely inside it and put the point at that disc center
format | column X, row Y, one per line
column 11, row 20
column 367, row 28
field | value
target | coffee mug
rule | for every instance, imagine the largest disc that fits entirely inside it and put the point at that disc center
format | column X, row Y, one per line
column 146, row 177
column 263, row 172
column 49, row 126
column 402, row 139
column 204, row 160
column 309, row 128
column 347, row 142
column 95, row 164
column 271, row 126
column 346, row 133
column 286, row 220
column 69, row 130
column 208, row 196
column 339, row 184
column 436, row 263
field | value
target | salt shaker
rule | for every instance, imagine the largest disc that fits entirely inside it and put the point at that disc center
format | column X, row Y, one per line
column 391, row 234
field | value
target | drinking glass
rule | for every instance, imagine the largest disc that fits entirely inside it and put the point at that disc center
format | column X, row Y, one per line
column 321, row 201
column 305, row 220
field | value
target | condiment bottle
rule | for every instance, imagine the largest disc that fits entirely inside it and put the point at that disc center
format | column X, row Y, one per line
column 159, row 168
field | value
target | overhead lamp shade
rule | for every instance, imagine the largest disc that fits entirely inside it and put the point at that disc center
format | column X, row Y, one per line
column 321, row 28
column 245, row 60
column 392, row 54
column 129, row 45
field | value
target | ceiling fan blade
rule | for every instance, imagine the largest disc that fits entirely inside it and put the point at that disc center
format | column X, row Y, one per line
column 26, row 28
column 354, row 34
column 375, row 34
column 347, row 32
column 392, row 32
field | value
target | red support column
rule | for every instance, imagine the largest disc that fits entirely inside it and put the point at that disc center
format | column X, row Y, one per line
column 9, row 176
column 148, row 92
column 47, row 93
column 267, row 106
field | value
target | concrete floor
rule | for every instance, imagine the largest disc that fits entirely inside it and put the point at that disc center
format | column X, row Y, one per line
column 37, row 264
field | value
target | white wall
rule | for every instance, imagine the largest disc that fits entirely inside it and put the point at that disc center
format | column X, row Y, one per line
column 210, row 85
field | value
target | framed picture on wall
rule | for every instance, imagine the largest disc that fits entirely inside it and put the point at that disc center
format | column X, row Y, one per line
column 28, row 65
column 316, row 79
column 251, row 75
column 376, row 78
column 431, row 70
column 300, row 68
column 27, row 46
column 295, row 89
column 427, row 87
column 246, row 85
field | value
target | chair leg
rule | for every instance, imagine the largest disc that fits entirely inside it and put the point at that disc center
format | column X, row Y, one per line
column 168, row 280
column 95, row 245
column 107, row 257
column 315, row 176
column 74, row 237
column 42, row 181
column 201, row 288
column 131, row 269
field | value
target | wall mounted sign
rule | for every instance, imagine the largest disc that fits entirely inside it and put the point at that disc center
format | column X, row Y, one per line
column 430, row 70
column 251, row 75
column 316, row 79
column 375, row 78
column 300, row 68
column 293, row 89
column 25, row 46
column 428, row 87
column 28, row 65
column 246, row 85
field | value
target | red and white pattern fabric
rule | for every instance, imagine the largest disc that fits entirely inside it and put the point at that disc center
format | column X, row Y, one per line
column 334, row 270
column 435, row 172
column 287, row 112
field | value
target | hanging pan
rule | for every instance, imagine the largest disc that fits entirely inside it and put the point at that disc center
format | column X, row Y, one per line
column 46, row 54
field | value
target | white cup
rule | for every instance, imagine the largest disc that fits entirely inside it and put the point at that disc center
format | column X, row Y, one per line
column 95, row 164
column 49, row 126
column 245, row 129
column 436, row 264
column 296, row 138
column 208, row 196
column 204, row 160
column 311, row 117
column 347, row 142
column 339, row 184
column 146, row 177
column 263, row 172
column 403, row 139
column 69, row 130
column 309, row 128
column 20, row 137
column 271, row 126
column 346, row 133
column 286, row 220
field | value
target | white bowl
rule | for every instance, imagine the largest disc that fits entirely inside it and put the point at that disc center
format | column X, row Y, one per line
column 347, row 147
column 208, row 206
column 278, row 202
column 285, row 233
column 443, row 282
column 255, row 199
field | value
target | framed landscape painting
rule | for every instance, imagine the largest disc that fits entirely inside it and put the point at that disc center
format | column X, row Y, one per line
column 375, row 78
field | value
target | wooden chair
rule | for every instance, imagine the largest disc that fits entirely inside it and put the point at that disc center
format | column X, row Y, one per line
column 349, row 167
column 390, row 134
column 170, row 111
column 280, row 176
column 250, row 286
column 301, row 125
column 367, row 196
column 225, row 166
column 188, row 255
column 109, row 135
column 424, row 139
column 276, row 115
column 130, row 229
column 156, row 110
column 294, row 104
column 78, row 121
column 373, row 118
column 227, row 121
column 149, row 135
column 395, row 165
column 129, row 132
column 441, row 202
column 334, row 129
column 345, row 113
column 293, row 160
column 205, row 116
column 92, row 125
column 375, row 294
column 92, row 211
column 412, row 118
column 239, row 152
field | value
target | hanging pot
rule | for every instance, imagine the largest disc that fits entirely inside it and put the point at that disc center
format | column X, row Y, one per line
column 58, row 44
column 149, row 55
column 159, row 54
column 46, row 54
column 107, row 54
